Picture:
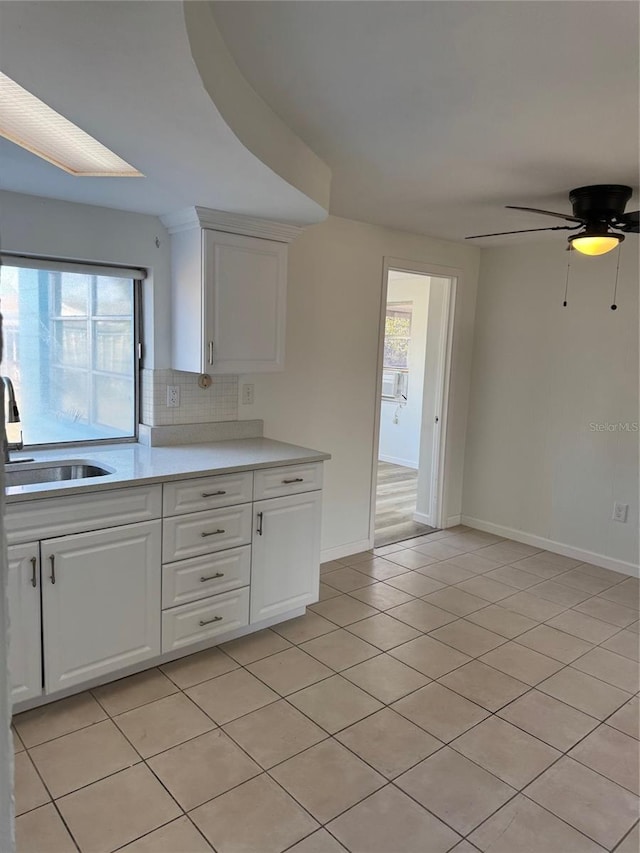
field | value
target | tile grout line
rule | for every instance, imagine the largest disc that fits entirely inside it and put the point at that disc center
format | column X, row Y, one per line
column 624, row 837
column 385, row 704
column 392, row 781
column 332, row 736
column 339, row 672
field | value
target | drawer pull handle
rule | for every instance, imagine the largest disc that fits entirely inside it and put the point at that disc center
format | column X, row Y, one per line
column 34, row 577
column 210, row 352
column 211, row 577
column 213, row 494
column 204, row 622
column 260, row 517
column 295, row 480
column 52, row 560
column 213, row 532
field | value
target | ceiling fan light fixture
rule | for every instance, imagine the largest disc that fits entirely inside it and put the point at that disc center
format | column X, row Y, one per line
column 594, row 242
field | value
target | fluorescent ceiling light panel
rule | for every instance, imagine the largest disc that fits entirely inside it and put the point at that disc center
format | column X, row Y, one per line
column 30, row 123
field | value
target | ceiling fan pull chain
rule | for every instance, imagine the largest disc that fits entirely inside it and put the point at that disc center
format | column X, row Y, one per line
column 614, row 306
column 566, row 284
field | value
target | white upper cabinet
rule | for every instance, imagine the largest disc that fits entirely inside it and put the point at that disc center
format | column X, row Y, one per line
column 229, row 292
column 245, row 295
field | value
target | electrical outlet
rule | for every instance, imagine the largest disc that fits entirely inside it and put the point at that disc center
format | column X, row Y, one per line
column 620, row 511
column 247, row 395
column 173, row 396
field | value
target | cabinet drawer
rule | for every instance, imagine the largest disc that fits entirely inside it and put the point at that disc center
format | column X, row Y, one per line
column 190, row 580
column 57, row 516
column 287, row 480
column 207, row 493
column 205, row 532
column 192, row 623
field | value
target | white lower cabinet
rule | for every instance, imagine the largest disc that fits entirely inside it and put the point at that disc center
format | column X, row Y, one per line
column 200, row 577
column 202, row 620
column 100, row 602
column 25, row 663
column 205, row 532
column 285, row 561
column 89, row 604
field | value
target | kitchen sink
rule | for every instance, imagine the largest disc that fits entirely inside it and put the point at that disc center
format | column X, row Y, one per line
column 30, row 473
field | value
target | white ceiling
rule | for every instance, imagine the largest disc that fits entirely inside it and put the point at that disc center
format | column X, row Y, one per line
column 434, row 115
column 124, row 72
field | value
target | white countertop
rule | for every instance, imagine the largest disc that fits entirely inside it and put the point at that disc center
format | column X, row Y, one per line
column 136, row 464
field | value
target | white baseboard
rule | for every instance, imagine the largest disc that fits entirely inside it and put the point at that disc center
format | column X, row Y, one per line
column 423, row 518
column 395, row 460
column 344, row 550
column 551, row 545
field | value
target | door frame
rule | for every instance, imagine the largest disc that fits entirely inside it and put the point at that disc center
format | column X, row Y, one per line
column 439, row 480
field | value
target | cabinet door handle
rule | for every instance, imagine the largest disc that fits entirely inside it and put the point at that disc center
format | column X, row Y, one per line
column 213, row 494
column 204, row 622
column 211, row 577
column 210, row 352
column 34, row 576
column 259, row 529
column 52, row 560
column 213, row 532
column 295, row 480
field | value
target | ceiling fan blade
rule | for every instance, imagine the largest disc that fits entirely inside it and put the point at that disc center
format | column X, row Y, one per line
column 566, row 216
column 523, row 231
column 630, row 222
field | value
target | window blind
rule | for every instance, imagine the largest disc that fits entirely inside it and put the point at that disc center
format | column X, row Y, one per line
column 24, row 261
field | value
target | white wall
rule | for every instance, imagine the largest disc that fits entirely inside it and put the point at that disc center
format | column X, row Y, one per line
column 6, row 747
column 400, row 443
column 60, row 229
column 541, row 375
column 326, row 397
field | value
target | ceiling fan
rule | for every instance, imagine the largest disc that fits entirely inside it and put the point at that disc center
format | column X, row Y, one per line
column 598, row 212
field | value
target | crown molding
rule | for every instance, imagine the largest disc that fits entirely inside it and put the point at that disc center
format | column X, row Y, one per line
column 232, row 223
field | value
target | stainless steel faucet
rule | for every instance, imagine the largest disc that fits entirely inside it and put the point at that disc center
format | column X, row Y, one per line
column 13, row 417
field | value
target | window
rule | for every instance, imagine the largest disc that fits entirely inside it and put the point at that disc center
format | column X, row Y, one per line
column 397, row 338
column 70, row 349
column 397, row 335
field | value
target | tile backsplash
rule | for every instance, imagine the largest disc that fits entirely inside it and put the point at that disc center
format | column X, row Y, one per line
column 218, row 402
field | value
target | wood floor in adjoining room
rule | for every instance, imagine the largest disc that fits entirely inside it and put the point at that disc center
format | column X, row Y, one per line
column 395, row 504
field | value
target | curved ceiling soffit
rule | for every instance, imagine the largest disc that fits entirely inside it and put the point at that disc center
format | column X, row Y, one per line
column 249, row 117
column 124, row 72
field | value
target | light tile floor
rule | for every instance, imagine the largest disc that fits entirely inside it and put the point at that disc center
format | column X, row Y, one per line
column 460, row 692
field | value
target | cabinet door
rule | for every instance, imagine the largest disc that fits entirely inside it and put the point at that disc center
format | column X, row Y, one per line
column 285, row 563
column 100, row 602
column 25, row 663
column 245, row 281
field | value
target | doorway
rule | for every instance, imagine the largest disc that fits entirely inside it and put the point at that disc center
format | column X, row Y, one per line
column 411, row 407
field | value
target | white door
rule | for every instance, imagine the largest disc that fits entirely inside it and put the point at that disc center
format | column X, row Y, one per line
column 285, row 564
column 100, row 602
column 245, row 281
column 428, row 506
column 25, row 664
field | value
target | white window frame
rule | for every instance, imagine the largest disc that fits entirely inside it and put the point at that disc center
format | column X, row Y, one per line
column 138, row 275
